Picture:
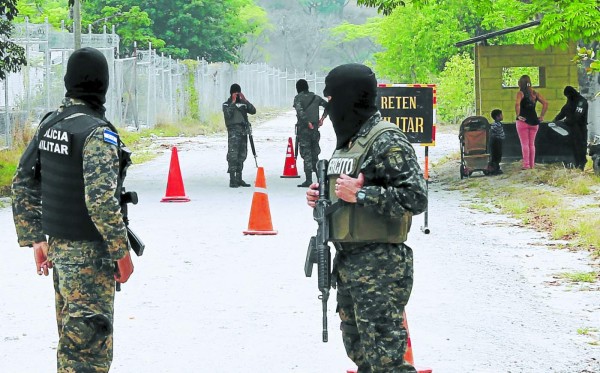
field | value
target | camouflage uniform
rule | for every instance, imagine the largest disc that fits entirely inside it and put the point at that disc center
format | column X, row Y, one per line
column 84, row 271
column 374, row 280
column 237, row 133
column 307, row 110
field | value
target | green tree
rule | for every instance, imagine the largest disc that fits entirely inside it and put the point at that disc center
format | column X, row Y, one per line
column 212, row 30
column 456, row 89
column 132, row 25
column 12, row 56
column 562, row 21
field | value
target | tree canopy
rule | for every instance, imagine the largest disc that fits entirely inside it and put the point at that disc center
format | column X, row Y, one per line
column 211, row 29
column 12, row 56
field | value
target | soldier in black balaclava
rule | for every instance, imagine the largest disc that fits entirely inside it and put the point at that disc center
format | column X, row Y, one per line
column 308, row 123
column 235, row 112
column 68, row 211
column 574, row 113
column 377, row 185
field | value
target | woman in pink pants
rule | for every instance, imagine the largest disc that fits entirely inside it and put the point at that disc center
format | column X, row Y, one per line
column 528, row 120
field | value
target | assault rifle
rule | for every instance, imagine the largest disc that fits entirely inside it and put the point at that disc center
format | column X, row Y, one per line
column 318, row 247
column 135, row 242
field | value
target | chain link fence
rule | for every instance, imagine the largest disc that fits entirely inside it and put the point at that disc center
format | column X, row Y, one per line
column 145, row 89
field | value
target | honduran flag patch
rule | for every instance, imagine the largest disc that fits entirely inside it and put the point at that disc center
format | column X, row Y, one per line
column 111, row 137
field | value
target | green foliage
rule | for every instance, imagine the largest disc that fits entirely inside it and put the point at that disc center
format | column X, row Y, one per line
column 580, row 276
column 12, row 56
column 456, row 89
column 190, row 89
column 132, row 25
column 565, row 21
column 212, row 29
column 383, row 6
column 37, row 11
column 208, row 29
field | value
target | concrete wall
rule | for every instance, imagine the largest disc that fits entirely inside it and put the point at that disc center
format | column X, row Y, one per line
column 557, row 71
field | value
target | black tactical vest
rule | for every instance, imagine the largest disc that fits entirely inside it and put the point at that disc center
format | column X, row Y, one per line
column 355, row 223
column 64, row 213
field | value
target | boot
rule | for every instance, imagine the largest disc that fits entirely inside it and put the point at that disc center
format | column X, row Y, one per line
column 308, row 181
column 241, row 182
column 233, row 183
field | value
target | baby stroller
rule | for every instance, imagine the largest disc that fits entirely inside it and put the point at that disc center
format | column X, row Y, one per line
column 474, row 137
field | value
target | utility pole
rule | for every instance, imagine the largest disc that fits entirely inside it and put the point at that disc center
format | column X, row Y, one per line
column 77, row 23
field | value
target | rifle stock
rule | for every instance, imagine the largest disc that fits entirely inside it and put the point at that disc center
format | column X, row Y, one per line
column 318, row 248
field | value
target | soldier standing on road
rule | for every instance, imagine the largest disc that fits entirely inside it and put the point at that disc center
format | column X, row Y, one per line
column 66, row 188
column 307, row 105
column 235, row 111
column 575, row 113
column 374, row 176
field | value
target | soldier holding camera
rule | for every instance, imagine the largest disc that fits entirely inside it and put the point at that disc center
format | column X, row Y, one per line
column 235, row 111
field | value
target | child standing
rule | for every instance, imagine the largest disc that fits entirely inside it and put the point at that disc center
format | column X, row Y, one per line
column 496, row 140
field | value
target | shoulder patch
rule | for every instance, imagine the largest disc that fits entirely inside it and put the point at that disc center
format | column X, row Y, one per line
column 111, row 137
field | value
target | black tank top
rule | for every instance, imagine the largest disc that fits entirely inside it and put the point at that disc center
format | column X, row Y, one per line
column 528, row 110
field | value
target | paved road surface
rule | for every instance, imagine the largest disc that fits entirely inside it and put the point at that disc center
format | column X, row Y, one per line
column 206, row 298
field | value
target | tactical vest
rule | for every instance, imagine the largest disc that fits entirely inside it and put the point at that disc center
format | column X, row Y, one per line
column 64, row 212
column 351, row 222
column 238, row 117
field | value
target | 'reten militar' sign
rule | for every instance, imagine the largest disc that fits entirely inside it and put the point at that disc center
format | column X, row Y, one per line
column 411, row 107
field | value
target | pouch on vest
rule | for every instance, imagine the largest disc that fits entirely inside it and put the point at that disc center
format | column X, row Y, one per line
column 356, row 223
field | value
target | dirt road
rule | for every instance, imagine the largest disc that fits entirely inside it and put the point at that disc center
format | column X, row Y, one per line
column 206, row 298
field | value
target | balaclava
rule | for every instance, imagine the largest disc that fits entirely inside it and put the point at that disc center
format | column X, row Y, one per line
column 301, row 85
column 87, row 77
column 571, row 93
column 235, row 88
column 353, row 91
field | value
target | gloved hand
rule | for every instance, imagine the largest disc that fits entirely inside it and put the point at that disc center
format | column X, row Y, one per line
column 124, row 269
column 40, row 254
column 241, row 96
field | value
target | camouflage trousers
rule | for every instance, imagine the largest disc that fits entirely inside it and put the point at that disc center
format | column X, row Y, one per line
column 84, row 297
column 308, row 143
column 374, row 285
column 237, row 147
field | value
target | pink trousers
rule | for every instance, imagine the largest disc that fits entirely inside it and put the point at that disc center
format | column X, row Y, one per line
column 527, row 134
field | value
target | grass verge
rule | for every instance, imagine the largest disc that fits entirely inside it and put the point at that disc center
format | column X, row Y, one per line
column 563, row 202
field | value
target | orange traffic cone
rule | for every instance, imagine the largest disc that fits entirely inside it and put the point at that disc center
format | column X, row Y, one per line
column 260, row 215
column 408, row 355
column 289, row 169
column 175, row 190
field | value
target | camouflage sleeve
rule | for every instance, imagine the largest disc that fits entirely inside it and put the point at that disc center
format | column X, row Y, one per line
column 26, row 196
column 300, row 114
column 323, row 103
column 250, row 108
column 394, row 182
column 100, row 176
column 227, row 110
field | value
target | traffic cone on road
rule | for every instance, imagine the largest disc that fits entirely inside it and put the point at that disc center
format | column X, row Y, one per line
column 260, row 214
column 175, row 190
column 408, row 355
column 289, row 169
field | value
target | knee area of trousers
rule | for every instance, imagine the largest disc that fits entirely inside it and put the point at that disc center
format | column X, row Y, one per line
column 86, row 330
